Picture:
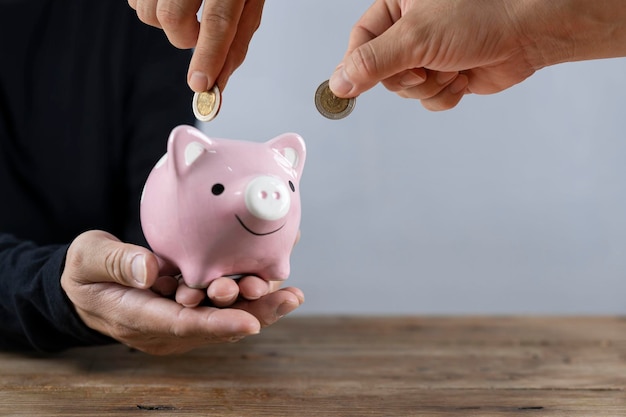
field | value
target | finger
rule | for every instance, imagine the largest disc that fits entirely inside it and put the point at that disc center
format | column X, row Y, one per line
column 449, row 97
column 218, row 27
column 435, row 83
column 165, row 285
column 248, row 24
column 214, row 324
column 253, row 288
column 379, row 17
column 97, row 256
column 273, row 306
column 223, row 292
column 146, row 11
column 189, row 297
column 376, row 60
column 374, row 22
column 167, row 318
column 405, row 79
column 178, row 18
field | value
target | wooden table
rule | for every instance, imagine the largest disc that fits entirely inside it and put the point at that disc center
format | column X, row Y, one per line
column 344, row 366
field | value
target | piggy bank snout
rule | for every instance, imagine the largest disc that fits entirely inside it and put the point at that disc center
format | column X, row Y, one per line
column 268, row 198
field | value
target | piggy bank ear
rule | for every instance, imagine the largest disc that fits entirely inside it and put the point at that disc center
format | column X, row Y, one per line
column 185, row 145
column 292, row 147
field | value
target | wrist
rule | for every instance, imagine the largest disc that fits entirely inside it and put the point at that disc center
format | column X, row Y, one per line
column 556, row 31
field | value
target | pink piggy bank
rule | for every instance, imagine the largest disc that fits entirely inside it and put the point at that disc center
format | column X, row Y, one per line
column 220, row 207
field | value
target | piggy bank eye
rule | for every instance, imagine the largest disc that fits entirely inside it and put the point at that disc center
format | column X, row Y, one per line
column 217, row 189
column 293, row 188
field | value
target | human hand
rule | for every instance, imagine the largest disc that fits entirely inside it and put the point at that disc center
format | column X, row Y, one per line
column 109, row 284
column 220, row 39
column 435, row 50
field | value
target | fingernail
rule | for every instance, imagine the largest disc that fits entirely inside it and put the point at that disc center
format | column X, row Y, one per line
column 339, row 82
column 411, row 79
column 138, row 267
column 199, row 82
column 445, row 77
column 458, row 85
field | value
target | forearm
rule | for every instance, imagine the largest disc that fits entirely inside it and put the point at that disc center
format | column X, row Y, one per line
column 559, row 31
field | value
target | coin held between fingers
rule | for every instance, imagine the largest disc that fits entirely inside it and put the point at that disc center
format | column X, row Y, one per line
column 331, row 106
column 207, row 104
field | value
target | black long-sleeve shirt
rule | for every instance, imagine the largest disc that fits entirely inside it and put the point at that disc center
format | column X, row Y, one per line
column 88, row 96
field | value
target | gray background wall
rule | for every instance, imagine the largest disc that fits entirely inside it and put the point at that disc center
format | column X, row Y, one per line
column 510, row 203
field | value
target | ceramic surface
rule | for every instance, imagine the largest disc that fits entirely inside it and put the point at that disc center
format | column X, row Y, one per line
column 221, row 207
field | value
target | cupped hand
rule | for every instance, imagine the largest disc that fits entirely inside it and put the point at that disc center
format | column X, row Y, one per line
column 109, row 284
column 434, row 50
column 220, row 38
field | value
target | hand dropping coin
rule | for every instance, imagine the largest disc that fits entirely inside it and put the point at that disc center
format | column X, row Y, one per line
column 207, row 104
column 331, row 106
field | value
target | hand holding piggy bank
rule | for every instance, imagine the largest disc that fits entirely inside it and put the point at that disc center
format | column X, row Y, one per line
column 221, row 207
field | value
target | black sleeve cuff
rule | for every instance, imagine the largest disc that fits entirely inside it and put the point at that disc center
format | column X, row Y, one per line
column 35, row 313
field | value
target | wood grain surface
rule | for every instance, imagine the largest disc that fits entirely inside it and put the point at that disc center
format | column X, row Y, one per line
column 343, row 366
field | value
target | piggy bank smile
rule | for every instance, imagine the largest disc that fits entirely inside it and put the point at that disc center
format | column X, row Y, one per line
column 253, row 232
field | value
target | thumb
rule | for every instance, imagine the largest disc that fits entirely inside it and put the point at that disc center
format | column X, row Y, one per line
column 97, row 256
column 373, row 61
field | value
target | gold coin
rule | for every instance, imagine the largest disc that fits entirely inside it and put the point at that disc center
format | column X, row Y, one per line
column 331, row 106
column 207, row 104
